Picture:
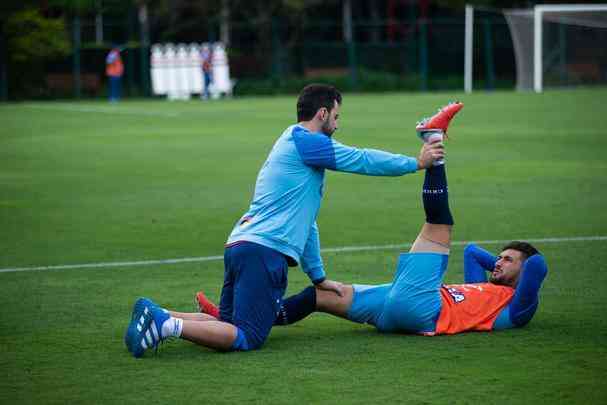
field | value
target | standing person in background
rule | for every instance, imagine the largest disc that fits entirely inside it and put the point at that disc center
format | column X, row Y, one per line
column 207, row 70
column 114, row 69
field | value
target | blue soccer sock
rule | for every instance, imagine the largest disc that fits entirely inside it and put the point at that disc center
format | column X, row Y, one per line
column 297, row 307
column 436, row 197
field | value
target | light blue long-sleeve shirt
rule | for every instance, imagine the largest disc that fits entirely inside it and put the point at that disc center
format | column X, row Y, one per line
column 289, row 188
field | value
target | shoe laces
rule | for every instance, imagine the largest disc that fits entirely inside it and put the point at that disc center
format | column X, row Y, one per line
column 423, row 121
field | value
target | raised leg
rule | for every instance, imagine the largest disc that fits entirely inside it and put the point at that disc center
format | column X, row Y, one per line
column 435, row 235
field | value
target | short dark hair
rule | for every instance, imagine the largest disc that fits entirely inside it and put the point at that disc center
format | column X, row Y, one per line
column 315, row 96
column 525, row 248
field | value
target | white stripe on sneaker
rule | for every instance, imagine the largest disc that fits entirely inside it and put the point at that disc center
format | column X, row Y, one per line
column 155, row 331
column 141, row 320
column 148, row 336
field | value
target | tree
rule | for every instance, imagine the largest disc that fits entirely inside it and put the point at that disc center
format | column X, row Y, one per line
column 31, row 40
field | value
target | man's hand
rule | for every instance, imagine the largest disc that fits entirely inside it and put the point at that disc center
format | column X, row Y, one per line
column 429, row 153
column 330, row 285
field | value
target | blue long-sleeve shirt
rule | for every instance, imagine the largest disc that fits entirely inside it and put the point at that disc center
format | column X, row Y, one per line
column 524, row 303
column 289, row 189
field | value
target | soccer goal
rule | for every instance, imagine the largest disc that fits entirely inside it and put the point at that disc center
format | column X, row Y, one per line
column 555, row 45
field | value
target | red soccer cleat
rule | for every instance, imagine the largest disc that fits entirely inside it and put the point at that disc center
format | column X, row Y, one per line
column 440, row 121
column 205, row 305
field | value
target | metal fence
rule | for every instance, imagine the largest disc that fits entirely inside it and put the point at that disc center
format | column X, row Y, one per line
column 427, row 54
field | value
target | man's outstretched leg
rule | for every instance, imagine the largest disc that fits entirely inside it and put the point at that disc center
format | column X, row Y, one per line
column 435, row 235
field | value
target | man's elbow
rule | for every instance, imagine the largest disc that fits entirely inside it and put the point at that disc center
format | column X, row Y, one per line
column 522, row 318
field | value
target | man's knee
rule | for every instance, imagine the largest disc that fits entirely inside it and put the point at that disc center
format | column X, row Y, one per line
column 433, row 239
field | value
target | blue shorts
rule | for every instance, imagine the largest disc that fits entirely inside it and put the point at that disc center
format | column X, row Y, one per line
column 255, row 281
column 411, row 303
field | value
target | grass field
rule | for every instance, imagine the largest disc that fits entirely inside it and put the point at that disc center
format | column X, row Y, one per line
column 92, row 183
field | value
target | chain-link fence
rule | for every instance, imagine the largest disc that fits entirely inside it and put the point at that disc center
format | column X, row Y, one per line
column 275, row 57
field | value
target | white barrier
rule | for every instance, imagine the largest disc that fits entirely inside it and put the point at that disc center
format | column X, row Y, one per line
column 157, row 66
column 176, row 70
column 221, row 72
column 194, row 67
column 183, row 82
column 170, row 72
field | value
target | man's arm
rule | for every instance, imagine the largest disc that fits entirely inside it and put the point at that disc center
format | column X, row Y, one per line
column 311, row 262
column 477, row 261
column 371, row 162
column 312, row 265
column 318, row 150
column 526, row 297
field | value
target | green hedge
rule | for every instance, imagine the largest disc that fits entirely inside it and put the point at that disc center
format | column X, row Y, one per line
column 368, row 82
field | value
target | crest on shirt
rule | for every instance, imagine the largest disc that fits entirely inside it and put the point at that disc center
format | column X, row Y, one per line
column 456, row 294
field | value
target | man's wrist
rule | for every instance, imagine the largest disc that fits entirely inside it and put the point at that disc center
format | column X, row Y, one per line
column 318, row 280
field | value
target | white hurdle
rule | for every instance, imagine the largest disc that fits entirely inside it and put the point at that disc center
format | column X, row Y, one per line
column 176, row 70
column 194, row 68
column 157, row 66
column 181, row 71
column 222, row 84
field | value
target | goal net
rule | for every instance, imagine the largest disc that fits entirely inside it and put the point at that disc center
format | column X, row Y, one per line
column 559, row 45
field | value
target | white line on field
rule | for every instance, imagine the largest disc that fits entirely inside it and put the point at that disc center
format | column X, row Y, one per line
column 326, row 250
column 118, row 110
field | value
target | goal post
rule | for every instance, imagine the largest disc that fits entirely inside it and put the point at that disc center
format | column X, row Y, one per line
column 483, row 20
column 566, row 12
column 573, row 35
column 468, row 48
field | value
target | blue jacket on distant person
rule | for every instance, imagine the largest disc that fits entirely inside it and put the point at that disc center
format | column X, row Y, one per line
column 289, row 188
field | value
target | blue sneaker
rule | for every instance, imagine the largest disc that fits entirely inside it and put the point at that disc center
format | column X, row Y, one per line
column 138, row 310
column 143, row 332
column 135, row 333
column 159, row 316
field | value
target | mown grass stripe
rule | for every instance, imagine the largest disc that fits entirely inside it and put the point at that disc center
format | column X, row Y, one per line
column 326, row 250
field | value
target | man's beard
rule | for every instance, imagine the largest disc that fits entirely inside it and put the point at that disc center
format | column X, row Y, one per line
column 495, row 281
column 499, row 281
column 326, row 129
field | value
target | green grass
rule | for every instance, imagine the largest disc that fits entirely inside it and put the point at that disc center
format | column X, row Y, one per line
column 96, row 183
